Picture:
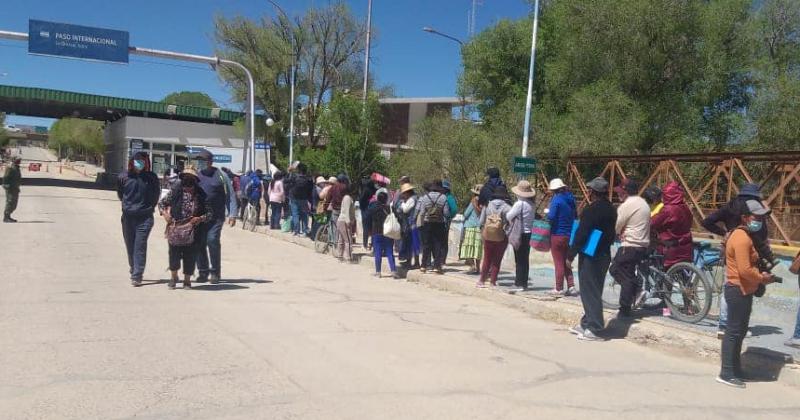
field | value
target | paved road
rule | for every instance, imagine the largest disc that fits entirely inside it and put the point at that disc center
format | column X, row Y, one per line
column 293, row 335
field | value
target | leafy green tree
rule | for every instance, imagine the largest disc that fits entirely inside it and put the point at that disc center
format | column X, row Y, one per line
column 325, row 43
column 190, row 98
column 778, row 115
column 77, row 137
column 453, row 149
column 496, row 64
column 351, row 131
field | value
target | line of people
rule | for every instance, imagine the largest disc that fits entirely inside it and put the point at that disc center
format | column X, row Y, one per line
column 201, row 200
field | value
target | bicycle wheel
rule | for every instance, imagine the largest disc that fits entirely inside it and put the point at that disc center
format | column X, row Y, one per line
column 321, row 240
column 332, row 242
column 689, row 297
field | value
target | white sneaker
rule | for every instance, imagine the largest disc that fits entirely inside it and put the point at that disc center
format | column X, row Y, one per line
column 588, row 335
column 572, row 291
column 576, row 329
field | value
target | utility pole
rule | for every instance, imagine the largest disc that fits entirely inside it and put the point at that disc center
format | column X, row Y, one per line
column 529, row 100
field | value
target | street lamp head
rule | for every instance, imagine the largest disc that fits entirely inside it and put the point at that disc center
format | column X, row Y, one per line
column 270, row 122
column 428, row 29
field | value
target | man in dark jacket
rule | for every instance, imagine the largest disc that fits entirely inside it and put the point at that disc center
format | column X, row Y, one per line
column 600, row 216
column 492, row 182
column 368, row 189
column 301, row 190
column 730, row 216
column 138, row 189
column 11, row 182
column 221, row 197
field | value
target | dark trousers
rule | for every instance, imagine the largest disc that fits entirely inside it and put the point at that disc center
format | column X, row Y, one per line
column 12, row 198
column 364, row 227
column 624, row 272
column 275, row 215
column 135, row 231
column 183, row 254
column 209, row 248
column 242, row 207
column 434, row 239
column 591, row 277
column 522, row 258
column 739, row 308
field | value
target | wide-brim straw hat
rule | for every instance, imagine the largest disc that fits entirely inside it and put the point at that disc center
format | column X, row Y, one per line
column 406, row 188
column 189, row 171
column 320, row 180
column 332, row 180
column 524, row 189
column 476, row 189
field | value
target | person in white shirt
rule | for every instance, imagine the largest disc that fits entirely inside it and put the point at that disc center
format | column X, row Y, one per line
column 633, row 228
column 523, row 212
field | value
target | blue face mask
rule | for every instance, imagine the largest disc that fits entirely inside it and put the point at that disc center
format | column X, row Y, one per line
column 755, row 225
column 138, row 164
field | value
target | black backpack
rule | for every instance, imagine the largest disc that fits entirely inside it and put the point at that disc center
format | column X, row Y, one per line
column 435, row 213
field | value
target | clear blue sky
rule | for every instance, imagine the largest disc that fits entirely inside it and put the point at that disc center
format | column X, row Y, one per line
column 415, row 62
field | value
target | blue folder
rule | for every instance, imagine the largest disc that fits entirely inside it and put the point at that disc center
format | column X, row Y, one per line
column 591, row 243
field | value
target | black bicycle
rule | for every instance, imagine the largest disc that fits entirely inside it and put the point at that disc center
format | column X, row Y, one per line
column 684, row 289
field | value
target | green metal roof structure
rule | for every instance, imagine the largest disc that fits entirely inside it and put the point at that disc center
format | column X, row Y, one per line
column 49, row 103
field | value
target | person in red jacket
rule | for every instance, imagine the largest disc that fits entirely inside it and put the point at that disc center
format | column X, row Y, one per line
column 673, row 224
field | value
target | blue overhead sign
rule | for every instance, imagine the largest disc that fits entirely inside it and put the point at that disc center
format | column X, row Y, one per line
column 74, row 41
column 263, row 146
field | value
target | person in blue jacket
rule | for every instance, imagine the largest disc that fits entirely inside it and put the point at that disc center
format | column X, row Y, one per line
column 138, row 189
column 561, row 214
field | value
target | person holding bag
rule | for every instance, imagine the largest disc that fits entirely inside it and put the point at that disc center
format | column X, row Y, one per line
column 495, row 242
column 521, row 216
column 184, row 208
column 561, row 215
column 377, row 212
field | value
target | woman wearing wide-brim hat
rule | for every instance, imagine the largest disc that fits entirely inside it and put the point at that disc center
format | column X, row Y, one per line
column 522, row 213
column 185, row 204
column 471, row 249
column 405, row 210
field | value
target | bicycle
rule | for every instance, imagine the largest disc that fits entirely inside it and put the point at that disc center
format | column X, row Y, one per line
column 325, row 238
column 684, row 289
column 250, row 217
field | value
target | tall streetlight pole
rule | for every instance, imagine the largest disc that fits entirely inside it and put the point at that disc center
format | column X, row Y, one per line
column 527, row 129
column 366, row 53
column 291, row 77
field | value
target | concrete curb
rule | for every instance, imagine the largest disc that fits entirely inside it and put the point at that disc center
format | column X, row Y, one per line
column 673, row 338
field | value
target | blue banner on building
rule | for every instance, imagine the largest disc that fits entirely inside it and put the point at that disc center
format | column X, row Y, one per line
column 65, row 40
column 223, row 158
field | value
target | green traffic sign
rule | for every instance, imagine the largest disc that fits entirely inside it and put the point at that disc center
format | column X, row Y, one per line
column 524, row 165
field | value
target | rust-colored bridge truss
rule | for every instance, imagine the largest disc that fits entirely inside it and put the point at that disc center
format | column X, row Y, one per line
column 710, row 180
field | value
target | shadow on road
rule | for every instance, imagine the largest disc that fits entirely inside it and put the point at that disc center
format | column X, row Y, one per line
column 764, row 365
column 35, row 221
column 232, row 284
column 64, row 183
column 220, row 286
column 617, row 329
column 765, row 330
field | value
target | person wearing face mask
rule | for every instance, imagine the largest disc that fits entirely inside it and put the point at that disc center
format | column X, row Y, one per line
column 138, row 189
column 220, row 196
column 723, row 221
column 743, row 280
column 185, row 203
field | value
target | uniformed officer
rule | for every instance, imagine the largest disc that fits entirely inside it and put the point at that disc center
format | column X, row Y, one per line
column 11, row 182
